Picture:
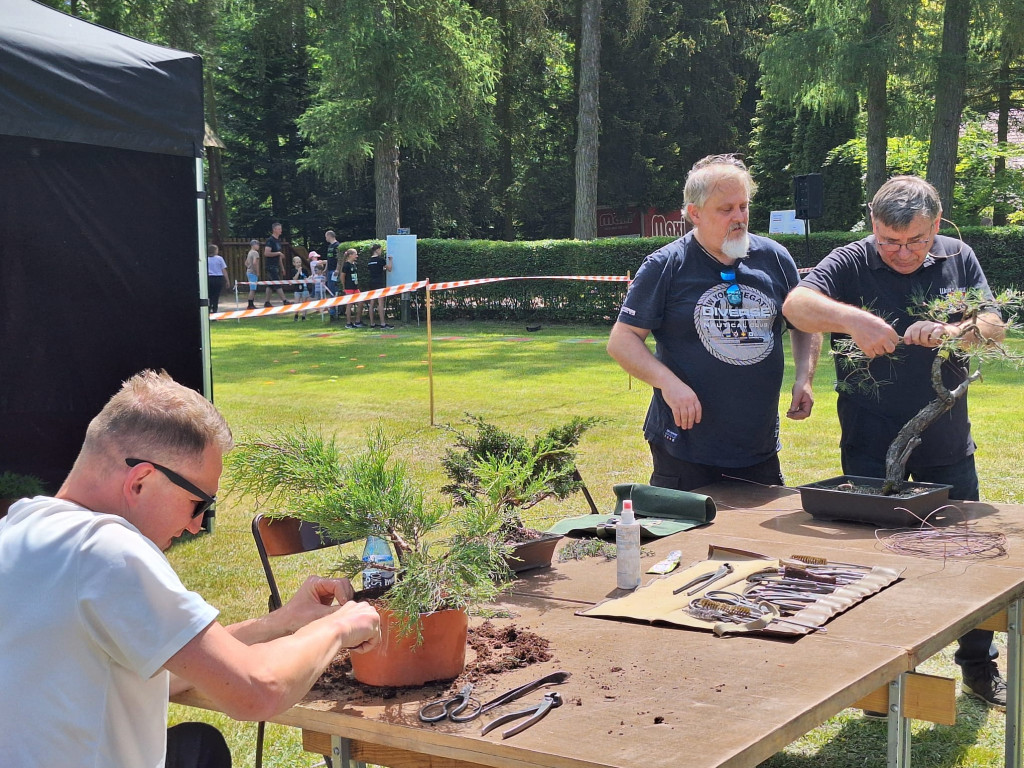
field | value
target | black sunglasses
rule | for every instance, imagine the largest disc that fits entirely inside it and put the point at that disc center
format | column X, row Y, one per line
column 733, row 294
column 202, row 507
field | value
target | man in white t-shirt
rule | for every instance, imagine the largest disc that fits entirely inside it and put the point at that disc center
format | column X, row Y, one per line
column 97, row 630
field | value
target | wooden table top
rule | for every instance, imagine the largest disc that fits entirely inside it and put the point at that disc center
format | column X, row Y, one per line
column 664, row 696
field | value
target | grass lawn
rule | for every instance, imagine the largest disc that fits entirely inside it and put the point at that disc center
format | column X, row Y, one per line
column 274, row 373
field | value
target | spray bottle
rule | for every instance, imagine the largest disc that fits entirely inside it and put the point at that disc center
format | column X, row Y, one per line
column 627, row 548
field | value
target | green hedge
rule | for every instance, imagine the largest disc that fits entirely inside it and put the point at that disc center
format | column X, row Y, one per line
column 594, row 302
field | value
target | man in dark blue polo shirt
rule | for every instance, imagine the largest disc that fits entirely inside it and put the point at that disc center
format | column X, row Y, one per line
column 712, row 300
column 864, row 291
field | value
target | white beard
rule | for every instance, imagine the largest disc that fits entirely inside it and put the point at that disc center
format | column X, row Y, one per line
column 736, row 247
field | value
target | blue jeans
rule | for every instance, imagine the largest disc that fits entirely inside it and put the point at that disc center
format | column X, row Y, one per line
column 976, row 647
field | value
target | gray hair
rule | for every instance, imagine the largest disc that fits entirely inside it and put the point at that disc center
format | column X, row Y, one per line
column 154, row 417
column 708, row 172
column 254, row 243
column 902, row 199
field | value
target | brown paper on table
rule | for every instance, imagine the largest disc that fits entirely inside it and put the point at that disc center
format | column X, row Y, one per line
column 655, row 603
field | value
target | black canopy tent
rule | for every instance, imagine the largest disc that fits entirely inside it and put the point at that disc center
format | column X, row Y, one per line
column 102, row 227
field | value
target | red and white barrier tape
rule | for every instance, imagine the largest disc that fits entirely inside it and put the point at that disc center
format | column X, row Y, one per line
column 243, row 284
column 308, row 306
column 482, row 280
column 378, row 293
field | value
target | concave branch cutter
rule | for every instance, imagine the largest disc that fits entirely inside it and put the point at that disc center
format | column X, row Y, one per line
column 533, row 714
column 704, row 581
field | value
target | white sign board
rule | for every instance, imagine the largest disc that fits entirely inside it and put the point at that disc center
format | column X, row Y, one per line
column 785, row 223
column 402, row 250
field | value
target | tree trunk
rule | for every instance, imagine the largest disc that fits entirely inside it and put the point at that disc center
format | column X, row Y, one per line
column 216, row 207
column 950, row 84
column 877, row 72
column 385, row 180
column 909, row 437
column 1000, row 209
column 503, row 108
column 585, row 217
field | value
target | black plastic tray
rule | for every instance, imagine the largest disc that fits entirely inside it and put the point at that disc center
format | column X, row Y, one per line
column 824, row 502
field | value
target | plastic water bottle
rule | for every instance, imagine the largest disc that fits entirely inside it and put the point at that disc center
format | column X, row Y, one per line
column 627, row 548
column 377, row 552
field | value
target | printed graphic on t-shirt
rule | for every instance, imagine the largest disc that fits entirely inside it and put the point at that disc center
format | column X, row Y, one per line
column 738, row 335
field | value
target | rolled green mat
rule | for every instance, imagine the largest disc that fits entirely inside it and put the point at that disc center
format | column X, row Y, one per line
column 660, row 512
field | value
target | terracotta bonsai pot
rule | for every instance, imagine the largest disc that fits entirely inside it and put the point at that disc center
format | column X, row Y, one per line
column 400, row 661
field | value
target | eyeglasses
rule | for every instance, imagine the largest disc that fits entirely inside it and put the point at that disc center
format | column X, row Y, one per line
column 206, row 502
column 914, row 246
column 733, row 294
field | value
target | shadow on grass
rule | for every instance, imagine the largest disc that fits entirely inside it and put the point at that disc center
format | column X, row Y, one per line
column 851, row 741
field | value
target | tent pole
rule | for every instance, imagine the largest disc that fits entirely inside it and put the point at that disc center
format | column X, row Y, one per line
column 204, row 296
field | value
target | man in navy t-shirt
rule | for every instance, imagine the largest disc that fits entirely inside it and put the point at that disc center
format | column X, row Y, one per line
column 904, row 262
column 273, row 255
column 713, row 301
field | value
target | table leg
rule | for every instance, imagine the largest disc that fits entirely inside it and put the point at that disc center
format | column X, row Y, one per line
column 341, row 756
column 898, row 743
column 1014, row 711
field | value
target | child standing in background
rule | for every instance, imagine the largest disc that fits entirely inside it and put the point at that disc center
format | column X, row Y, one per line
column 301, row 289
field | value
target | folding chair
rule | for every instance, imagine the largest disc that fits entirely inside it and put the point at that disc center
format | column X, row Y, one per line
column 277, row 537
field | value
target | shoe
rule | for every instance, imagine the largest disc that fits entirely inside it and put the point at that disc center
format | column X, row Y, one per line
column 984, row 682
column 359, row 325
column 296, row 318
column 349, row 325
column 267, row 304
column 374, row 325
column 870, row 714
column 387, row 327
column 303, row 317
column 285, row 302
column 251, row 306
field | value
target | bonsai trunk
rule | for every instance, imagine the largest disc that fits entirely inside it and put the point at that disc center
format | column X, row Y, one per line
column 909, row 437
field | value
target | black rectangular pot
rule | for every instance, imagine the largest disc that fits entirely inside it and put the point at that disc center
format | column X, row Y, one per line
column 824, row 502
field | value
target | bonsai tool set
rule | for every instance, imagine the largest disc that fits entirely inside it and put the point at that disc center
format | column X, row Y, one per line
column 462, row 707
column 735, row 591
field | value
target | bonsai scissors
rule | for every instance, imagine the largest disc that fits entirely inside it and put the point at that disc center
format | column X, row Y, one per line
column 452, row 709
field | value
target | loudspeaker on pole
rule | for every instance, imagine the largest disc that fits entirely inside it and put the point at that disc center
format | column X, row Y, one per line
column 809, row 196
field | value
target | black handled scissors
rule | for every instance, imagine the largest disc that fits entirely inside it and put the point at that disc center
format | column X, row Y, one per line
column 453, row 708
column 533, row 714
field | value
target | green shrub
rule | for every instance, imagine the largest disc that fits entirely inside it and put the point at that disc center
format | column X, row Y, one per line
column 574, row 301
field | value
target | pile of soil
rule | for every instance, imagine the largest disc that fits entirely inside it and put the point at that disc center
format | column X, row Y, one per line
column 492, row 651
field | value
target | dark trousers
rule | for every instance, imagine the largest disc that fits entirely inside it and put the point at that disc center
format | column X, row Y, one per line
column 670, row 472
column 214, row 285
column 196, row 745
column 976, row 647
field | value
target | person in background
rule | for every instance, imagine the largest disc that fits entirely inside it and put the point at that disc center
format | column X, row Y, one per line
column 713, row 300
column 862, row 292
column 216, row 269
column 378, row 266
column 301, row 290
column 100, row 630
column 252, row 270
column 351, row 287
column 332, row 267
column 273, row 255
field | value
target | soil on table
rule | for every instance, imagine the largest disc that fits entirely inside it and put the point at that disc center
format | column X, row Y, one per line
column 521, row 535
column 492, row 651
column 875, row 490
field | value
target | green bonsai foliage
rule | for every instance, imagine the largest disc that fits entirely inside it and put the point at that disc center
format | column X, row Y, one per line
column 17, row 486
column 440, row 563
column 970, row 348
column 510, row 471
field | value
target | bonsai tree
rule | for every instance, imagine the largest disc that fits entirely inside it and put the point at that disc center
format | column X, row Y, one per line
column 441, row 562
column 971, row 347
column 511, row 472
